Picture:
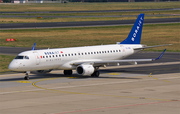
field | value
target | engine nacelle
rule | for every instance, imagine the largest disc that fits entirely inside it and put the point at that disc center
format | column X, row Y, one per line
column 85, row 69
column 44, row 71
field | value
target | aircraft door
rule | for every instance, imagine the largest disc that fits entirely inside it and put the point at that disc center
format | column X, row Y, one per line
column 37, row 57
column 123, row 51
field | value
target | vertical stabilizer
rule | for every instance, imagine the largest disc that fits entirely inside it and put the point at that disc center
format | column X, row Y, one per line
column 33, row 48
column 135, row 34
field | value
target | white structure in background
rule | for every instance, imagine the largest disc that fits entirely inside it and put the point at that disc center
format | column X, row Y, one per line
column 38, row 1
column 26, row 1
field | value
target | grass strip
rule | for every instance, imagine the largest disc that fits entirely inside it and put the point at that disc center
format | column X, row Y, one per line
column 87, row 6
column 35, row 20
column 4, row 62
column 153, row 34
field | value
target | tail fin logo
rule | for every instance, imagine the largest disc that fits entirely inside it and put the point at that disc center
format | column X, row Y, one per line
column 134, row 36
column 137, row 29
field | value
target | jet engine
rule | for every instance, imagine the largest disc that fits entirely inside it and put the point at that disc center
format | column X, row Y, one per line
column 85, row 69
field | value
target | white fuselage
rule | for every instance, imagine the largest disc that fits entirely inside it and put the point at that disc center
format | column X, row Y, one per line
column 62, row 58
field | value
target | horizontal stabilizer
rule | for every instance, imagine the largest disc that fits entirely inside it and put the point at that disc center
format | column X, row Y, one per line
column 152, row 46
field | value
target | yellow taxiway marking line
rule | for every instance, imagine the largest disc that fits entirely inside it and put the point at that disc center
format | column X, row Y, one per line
column 68, row 92
column 114, row 73
column 166, row 81
column 23, row 81
column 150, row 75
column 157, row 78
column 72, row 77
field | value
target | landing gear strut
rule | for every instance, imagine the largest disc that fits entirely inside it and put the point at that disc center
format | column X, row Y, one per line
column 27, row 76
column 68, row 72
column 95, row 74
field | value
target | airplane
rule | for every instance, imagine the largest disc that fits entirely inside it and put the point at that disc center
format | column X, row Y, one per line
column 85, row 60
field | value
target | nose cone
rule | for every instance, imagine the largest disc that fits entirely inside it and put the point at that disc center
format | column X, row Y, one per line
column 13, row 66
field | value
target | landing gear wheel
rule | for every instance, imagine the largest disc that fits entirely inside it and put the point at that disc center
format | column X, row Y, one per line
column 95, row 74
column 26, row 78
column 68, row 72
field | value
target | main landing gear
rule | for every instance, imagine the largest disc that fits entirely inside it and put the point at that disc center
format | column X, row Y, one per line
column 27, row 76
column 68, row 72
column 95, row 74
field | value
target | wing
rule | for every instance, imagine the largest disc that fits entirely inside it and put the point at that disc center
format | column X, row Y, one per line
column 107, row 62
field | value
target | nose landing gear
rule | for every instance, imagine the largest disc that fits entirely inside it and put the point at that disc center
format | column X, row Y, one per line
column 27, row 76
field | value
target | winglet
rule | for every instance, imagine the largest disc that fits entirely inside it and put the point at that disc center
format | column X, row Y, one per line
column 160, row 55
column 33, row 48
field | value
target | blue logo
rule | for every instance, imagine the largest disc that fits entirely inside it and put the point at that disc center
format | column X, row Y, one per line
column 51, row 53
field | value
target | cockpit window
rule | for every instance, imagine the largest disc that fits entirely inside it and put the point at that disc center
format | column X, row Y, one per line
column 26, row 57
column 22, row 57
column 19, row 57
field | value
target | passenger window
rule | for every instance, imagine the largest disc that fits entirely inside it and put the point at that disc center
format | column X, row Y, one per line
column 46, row 56
column 65, row 54
column 104, row 51
column 59, row 55
column 79, row 53
column 97, row 52
column 75, row 54
column 108, row 51
column 82, row 53
column 116, row 50
column 72, row 54
column 113, row 50
column 91, row 52
column 53, row 55
column 69, row 54
column 94, row 52
column 119, row 50
column 100, row 52
column 85, row 53
column 49, row 56
column 56, row 55
column 43, row 56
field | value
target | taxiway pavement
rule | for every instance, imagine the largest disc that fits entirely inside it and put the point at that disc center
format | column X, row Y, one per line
column 84, row 23
column 114, row 92
column 133, row 89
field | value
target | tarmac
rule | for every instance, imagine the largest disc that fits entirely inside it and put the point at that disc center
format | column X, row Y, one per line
column 118, row 90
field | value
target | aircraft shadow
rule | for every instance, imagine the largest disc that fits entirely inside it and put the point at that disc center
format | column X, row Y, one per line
column 34, row 76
